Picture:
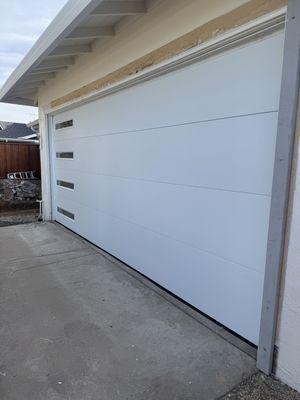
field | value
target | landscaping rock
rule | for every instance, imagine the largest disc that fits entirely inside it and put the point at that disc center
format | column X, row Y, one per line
column 18, row 193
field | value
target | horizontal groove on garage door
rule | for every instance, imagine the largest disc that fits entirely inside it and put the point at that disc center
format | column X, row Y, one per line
column 155, row 128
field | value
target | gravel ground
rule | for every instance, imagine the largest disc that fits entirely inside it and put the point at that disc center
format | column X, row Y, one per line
column 261, row 387
column 18, row 217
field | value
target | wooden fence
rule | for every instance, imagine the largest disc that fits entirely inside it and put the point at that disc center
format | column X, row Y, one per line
column 16, row 156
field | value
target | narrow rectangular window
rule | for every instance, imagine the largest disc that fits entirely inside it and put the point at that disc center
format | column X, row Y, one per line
column 64, row 124
column 68, row 185
column 65, row 154
column 66, row 213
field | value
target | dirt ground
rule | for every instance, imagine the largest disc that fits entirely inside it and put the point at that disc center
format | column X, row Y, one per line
column 261, row 387
column 17, row 217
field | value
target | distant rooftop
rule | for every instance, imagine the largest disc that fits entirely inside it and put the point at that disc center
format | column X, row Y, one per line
column 15, row 130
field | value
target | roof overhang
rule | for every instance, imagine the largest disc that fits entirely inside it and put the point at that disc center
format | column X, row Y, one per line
column 70, row 34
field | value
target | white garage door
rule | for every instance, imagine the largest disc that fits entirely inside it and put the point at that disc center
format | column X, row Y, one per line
column 173, row 176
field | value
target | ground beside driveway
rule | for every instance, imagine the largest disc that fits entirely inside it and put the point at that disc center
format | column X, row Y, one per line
column 74, row 325
column 15, row 217
column 261, row 387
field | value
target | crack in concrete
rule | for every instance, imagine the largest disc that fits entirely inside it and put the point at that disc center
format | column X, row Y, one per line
column 52, row 263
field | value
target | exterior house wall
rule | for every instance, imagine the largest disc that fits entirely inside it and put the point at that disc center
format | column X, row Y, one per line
column 288, row 362
column 143, row 35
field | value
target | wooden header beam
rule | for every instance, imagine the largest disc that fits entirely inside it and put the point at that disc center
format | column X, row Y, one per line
column 40, row 77
column 120, row 8
column 57, row 62
column 92, row 33
column 63, row 51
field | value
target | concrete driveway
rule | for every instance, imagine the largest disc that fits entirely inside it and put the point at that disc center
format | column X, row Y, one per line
column 77, row 324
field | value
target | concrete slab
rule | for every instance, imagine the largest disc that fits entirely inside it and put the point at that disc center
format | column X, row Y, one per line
column 75, row 325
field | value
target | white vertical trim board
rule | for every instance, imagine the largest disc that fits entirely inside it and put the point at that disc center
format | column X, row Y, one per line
column 281, row 185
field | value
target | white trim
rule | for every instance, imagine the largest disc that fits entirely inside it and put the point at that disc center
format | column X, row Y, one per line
column 260, row 26
column 46, row 164
column 281, row 188
column 53, row 177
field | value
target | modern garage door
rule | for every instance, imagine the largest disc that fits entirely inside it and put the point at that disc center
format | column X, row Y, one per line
column 173, row 176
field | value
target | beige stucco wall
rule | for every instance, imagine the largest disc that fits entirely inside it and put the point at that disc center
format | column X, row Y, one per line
column 137, row 37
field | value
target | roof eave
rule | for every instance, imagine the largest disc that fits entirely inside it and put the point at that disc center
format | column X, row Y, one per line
column 68, row 18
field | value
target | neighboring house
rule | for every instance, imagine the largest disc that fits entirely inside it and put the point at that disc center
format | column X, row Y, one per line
column 15, row 130
column 161, row 144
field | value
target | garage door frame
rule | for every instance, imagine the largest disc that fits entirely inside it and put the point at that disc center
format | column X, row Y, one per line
column 259, row 27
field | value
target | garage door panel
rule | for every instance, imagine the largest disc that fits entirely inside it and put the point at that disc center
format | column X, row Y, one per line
column 174, row 175
column 140, row 107
column 233, row 154
column 230, row 225
column 178, row 267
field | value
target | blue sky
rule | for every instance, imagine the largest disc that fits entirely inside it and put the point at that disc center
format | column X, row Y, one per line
column 21, row 23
